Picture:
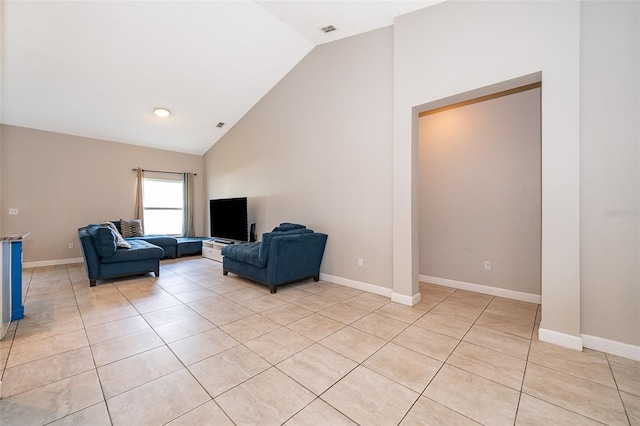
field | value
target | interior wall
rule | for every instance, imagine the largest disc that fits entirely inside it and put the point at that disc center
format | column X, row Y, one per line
column 317, row 150
column 61, row 182
column 479, row 193
column 1, row 103
column 609, row 170
column 457, row 47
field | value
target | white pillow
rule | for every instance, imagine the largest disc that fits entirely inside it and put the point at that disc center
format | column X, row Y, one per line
column 120, row 242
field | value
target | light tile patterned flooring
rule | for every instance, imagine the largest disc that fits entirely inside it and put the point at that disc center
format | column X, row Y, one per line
column 195, row 347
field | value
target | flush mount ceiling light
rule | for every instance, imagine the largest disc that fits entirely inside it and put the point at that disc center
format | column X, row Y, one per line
column 162, row 112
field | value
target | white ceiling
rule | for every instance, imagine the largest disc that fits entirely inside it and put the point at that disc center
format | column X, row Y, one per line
column 98, row 68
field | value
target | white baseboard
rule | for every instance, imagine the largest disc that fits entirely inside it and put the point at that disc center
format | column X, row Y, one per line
column 611, row 347
column 406, row 300
column 375, row 289
column 560, row 339
column 54, row 262
column 358, row 285
column 478, row 288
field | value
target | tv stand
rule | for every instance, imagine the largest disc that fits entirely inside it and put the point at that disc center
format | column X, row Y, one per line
column 212, row 249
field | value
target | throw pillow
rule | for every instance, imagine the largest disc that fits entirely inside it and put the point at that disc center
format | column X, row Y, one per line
column 120, row 242
column 131, row 228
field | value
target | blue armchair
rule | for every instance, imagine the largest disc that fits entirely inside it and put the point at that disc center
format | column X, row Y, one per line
column 288, row 254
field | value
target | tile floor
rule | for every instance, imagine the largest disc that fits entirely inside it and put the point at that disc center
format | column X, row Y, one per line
column 195, row 347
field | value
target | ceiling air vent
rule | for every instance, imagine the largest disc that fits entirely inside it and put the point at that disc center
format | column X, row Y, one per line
column 328, row 29
column 220, row 124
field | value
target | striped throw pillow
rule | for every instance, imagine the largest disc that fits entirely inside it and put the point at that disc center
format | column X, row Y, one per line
column 131, row 228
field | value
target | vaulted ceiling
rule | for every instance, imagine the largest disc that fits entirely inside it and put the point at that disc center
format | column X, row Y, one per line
column 98, row 68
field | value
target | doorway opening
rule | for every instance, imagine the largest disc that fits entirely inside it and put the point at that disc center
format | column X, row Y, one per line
column 479, row 194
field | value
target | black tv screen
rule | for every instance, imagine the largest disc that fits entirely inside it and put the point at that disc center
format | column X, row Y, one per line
column 229, row 218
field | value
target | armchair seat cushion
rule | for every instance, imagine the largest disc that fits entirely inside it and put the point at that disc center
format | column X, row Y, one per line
column 140, row 250
column 245, row 252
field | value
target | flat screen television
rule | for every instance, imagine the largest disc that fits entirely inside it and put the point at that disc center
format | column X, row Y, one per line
column 229, row 220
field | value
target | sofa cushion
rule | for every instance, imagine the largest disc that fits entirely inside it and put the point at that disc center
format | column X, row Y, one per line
column 189, row 245
column 266, row 241
column 120, row 241
column 104, row 240
column 159, row 240
column 245, row 252
column 140, row 250
column 131, row 228
column 286, row 226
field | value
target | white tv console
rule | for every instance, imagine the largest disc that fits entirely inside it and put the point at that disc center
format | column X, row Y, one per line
column 211, row 249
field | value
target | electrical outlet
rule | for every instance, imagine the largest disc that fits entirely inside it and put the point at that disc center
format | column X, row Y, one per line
column 487, row 265
column 13, row 211
column 70, row 245
column 360, row 261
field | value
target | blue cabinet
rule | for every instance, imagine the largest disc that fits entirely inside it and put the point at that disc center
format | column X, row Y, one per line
column 17, row 308
column 11, row 307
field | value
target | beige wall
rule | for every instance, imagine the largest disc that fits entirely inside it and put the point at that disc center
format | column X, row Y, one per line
column 458, row 47
column 587, row 57
column 317, row 150
column 61, row 182
column 1, row 106
column 479, row 186
column 609, row 170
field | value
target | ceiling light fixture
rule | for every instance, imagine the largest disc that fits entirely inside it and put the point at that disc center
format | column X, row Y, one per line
column 162, row 112
column 328, row 29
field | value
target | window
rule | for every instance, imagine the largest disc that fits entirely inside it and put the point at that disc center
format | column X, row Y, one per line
column 163, row 206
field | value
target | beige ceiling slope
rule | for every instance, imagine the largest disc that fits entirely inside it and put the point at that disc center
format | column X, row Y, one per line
column 98, row 68
column 349, row 17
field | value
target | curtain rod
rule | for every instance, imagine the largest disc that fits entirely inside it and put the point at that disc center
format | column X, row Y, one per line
column 161, row 171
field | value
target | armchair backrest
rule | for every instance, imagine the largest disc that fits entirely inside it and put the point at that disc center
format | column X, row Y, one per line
column 296, row 256
column 265, row 244
column 89, row 253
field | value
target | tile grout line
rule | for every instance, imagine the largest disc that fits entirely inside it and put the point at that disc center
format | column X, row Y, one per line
column 95, row 366
column 624, row 406
column 13, row 337
column 421, row 394
column 316, row 396
column 526, row 365
column 280, row 326
column 165, row 344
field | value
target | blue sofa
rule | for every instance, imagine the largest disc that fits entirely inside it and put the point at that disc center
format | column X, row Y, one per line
column 103, row 259
column 173, row 246
column 167, row 243
column 289, row 253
